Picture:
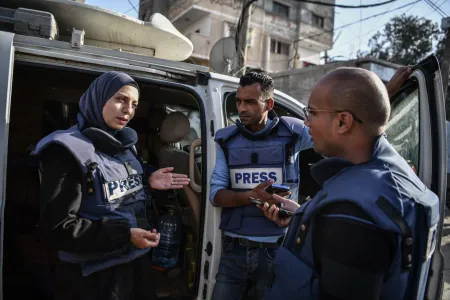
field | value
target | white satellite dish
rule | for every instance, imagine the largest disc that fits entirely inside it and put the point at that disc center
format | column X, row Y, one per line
column 223, row 58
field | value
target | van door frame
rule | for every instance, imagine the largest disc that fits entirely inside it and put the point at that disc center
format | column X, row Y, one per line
column 432, row 154
column 436, row 103
column 6, row 73
column 39, row 52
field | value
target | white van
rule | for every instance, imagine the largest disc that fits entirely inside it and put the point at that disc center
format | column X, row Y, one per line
column 41, row 81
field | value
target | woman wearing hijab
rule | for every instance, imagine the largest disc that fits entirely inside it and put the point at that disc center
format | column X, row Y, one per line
column 93, row 201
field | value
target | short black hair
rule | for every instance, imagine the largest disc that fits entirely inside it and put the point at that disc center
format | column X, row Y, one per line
column 265, row 81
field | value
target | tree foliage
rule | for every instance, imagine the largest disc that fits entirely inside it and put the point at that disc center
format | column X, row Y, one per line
column 406, row 40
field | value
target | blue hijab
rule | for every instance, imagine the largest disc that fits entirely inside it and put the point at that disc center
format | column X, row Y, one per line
column 90, row 117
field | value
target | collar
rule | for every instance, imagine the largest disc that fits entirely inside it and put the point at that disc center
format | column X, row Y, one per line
column 329, row 167
column 111, row 145
column 260, row 135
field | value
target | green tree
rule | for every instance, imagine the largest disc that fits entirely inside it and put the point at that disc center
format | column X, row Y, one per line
column 406, row 39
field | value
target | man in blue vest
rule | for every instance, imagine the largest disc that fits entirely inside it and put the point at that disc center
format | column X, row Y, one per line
column 369, row 233
column 251, row 155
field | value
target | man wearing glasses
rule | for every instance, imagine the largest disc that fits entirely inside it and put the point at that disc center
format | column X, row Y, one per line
column 252, row 155
column 367, row 233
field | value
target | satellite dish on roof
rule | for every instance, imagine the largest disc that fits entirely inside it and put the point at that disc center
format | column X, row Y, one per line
column 222, row 57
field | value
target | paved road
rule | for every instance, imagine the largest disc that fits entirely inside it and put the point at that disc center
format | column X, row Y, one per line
column 445, row 248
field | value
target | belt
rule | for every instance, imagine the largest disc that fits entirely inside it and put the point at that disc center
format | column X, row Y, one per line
column 252, row 244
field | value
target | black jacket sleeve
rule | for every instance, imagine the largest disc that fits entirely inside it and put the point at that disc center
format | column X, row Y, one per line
column 352, row 256
column 61, row 194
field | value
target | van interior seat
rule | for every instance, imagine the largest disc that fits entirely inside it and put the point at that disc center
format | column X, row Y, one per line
column 156, row 117
column 174, row 129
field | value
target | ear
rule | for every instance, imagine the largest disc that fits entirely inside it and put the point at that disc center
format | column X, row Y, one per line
column 269, row 104
column 345, row 122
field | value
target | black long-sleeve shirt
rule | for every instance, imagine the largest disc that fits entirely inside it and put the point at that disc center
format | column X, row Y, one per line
column 61, row 194
column 353, row 257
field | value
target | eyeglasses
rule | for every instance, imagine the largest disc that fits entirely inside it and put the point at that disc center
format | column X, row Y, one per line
column 309, row 111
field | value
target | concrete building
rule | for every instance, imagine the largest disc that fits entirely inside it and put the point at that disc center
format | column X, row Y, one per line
column 283, row 34
column 299, row 83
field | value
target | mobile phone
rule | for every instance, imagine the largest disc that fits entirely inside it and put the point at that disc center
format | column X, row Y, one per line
column 277, row 189
column 256, row 201
column 282, row 213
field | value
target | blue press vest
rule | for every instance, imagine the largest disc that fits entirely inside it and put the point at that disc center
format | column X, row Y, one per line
column 388, row 191
column 252, row 161
column 112, row 188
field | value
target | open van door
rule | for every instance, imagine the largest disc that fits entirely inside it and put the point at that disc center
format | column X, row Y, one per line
column 6, row 72
column 416, row 129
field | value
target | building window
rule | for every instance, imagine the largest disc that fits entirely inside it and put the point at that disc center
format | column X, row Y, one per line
column 280, row 9
column 317, row 21
column 278, row 47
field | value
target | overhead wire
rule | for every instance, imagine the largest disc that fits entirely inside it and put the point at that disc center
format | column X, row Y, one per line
column 376, row 28
column 295, row 42
column 436, row 8
column 133, row 6
column 347, row 6
column 352, row 23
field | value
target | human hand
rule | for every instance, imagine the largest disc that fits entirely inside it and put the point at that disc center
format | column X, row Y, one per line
column 272, row 211
column 164, row 179
column 259, row 191
column 143, row 238
column 401, row 75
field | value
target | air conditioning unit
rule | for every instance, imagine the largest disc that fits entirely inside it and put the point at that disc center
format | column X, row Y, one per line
column 29, row 22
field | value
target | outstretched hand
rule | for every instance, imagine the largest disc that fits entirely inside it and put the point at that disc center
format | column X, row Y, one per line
column 259, row 192
column 164, row 179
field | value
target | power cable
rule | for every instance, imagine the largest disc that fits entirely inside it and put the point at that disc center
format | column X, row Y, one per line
column 352, row 23
column 435, row 8
column 346, row 6
column 133, row 6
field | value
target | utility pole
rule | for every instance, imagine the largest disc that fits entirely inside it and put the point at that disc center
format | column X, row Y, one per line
column 242, row 33
column 326, row 57
column 445, row 25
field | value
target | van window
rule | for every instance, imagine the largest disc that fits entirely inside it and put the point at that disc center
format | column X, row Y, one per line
column 403, row 127
column 232, row 114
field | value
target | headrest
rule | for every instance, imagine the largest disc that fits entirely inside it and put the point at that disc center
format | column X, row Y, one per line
column 156, row 117
column 174, row 128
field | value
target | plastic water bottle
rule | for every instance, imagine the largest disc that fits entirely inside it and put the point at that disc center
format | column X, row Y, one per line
column 165, row 256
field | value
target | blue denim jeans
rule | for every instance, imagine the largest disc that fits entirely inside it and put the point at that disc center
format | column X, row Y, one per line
column 240, row 267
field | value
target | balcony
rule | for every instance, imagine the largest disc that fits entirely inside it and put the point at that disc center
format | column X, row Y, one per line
column 280, row 26
column 202, row 45
column 184, row 13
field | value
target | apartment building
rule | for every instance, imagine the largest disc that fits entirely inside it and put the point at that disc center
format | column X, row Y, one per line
column 283, row 34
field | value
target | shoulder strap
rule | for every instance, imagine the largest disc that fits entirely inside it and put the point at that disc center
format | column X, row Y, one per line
column 407, row 242
column 223, row 146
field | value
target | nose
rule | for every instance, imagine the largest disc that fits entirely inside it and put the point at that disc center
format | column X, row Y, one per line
column 241, row 107
column 127, row 108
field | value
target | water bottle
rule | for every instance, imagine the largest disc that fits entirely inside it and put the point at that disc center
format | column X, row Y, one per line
column 165, row 256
